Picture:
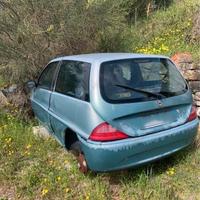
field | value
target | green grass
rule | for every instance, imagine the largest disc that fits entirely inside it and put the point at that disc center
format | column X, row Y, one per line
column 167, row 31
column 34, row 168
column 2, row 82
column 40, row 169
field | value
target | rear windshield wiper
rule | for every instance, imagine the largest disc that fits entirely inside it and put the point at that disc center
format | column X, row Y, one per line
column 168, row 93
column 141, row 91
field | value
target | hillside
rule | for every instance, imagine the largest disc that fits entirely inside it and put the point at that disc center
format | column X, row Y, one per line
column 36, row 168
column 167, row 32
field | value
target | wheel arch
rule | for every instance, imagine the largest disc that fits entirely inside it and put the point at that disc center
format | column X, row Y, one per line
column 70, row 137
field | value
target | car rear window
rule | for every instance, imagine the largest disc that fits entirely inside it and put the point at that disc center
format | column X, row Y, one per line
column 142, row 79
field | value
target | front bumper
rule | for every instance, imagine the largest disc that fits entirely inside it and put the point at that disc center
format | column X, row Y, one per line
column 108, row 156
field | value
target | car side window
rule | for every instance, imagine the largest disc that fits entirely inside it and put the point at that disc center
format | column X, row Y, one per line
column 73, row 79
column 46, row 78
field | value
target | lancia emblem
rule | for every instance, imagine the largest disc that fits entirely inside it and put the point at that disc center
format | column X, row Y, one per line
column 159, row 103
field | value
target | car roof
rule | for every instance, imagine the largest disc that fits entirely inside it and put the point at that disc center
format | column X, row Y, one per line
column 102, row 57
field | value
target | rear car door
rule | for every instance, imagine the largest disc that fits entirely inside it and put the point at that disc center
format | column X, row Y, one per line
column 70, row 99
column 42, row 93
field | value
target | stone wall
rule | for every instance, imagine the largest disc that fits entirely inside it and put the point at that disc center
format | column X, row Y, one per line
column 191, row 72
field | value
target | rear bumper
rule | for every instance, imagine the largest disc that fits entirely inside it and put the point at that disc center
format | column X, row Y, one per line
column 132, row 152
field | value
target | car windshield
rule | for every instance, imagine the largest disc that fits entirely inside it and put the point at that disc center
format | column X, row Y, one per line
column 142, row 79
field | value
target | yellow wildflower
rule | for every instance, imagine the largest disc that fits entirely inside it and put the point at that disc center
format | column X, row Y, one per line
column 67, row 190
column 44, row 192
column 87, row 197
column 8, row 140
column 28, row 146
column 50, row 28
column 66, row 162
column 45, row 180
column 170, row 171
column 27, row 153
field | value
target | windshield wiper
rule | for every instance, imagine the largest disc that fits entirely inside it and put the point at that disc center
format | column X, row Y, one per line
column 168, row 93
column 141, row 91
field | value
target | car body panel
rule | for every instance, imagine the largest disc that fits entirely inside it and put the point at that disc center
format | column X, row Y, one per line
column 40, row 104
column 103, row 57
column 132, row 152
column 67, row 112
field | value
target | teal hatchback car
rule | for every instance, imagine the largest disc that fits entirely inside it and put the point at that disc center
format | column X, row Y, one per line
column 115, row 110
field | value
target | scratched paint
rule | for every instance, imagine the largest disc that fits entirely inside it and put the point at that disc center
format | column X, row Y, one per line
column 135, row 151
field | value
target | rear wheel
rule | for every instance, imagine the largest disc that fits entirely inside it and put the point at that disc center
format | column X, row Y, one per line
column 82, row 163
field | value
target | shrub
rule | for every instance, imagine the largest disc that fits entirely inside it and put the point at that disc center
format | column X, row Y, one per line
column 33, row 32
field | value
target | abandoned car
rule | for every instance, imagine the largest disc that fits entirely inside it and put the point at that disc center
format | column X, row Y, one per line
column 115, row 110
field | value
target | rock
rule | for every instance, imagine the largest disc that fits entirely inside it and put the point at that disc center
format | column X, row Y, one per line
column 189, row 69
column 197, row 103
column 198, row 111
column 191, row 75
column 187, row 66
column 197, row 96
column 12, row 88
column 195, row 85
column 185, row 57
column 3, row 100
column 41, row 131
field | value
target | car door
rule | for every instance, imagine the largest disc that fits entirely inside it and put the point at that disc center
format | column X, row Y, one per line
column 70, row 96
column 42, row 93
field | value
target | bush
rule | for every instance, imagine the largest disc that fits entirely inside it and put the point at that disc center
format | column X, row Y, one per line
column 33, row 32
column 137, row 9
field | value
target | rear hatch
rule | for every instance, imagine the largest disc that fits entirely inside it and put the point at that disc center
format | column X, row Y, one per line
column 142, row 96
column 142, row 122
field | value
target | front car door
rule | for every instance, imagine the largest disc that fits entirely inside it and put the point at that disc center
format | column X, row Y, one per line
column 42, row 93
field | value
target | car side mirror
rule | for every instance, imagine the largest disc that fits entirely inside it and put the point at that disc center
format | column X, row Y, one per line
column 30, row 85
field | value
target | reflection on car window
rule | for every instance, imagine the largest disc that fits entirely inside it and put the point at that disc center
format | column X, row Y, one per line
column 46, row 78
column 149, row 70
column 154, row 75
column 73, row 79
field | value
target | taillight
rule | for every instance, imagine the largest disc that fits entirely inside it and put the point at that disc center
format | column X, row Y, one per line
column 105, row 132
column 193, row 114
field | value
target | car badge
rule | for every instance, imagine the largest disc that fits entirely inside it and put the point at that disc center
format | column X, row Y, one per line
column 159, row 102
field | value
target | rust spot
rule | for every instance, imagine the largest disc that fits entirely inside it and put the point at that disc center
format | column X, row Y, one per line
column 82, row 163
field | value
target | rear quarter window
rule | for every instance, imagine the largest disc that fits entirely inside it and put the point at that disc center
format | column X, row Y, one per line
column 46, row 78
column 73, row 79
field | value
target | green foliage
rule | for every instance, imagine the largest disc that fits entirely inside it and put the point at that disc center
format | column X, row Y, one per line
column 32, row 32
column 137, row 9
column 40, row 169
column 166, row 32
